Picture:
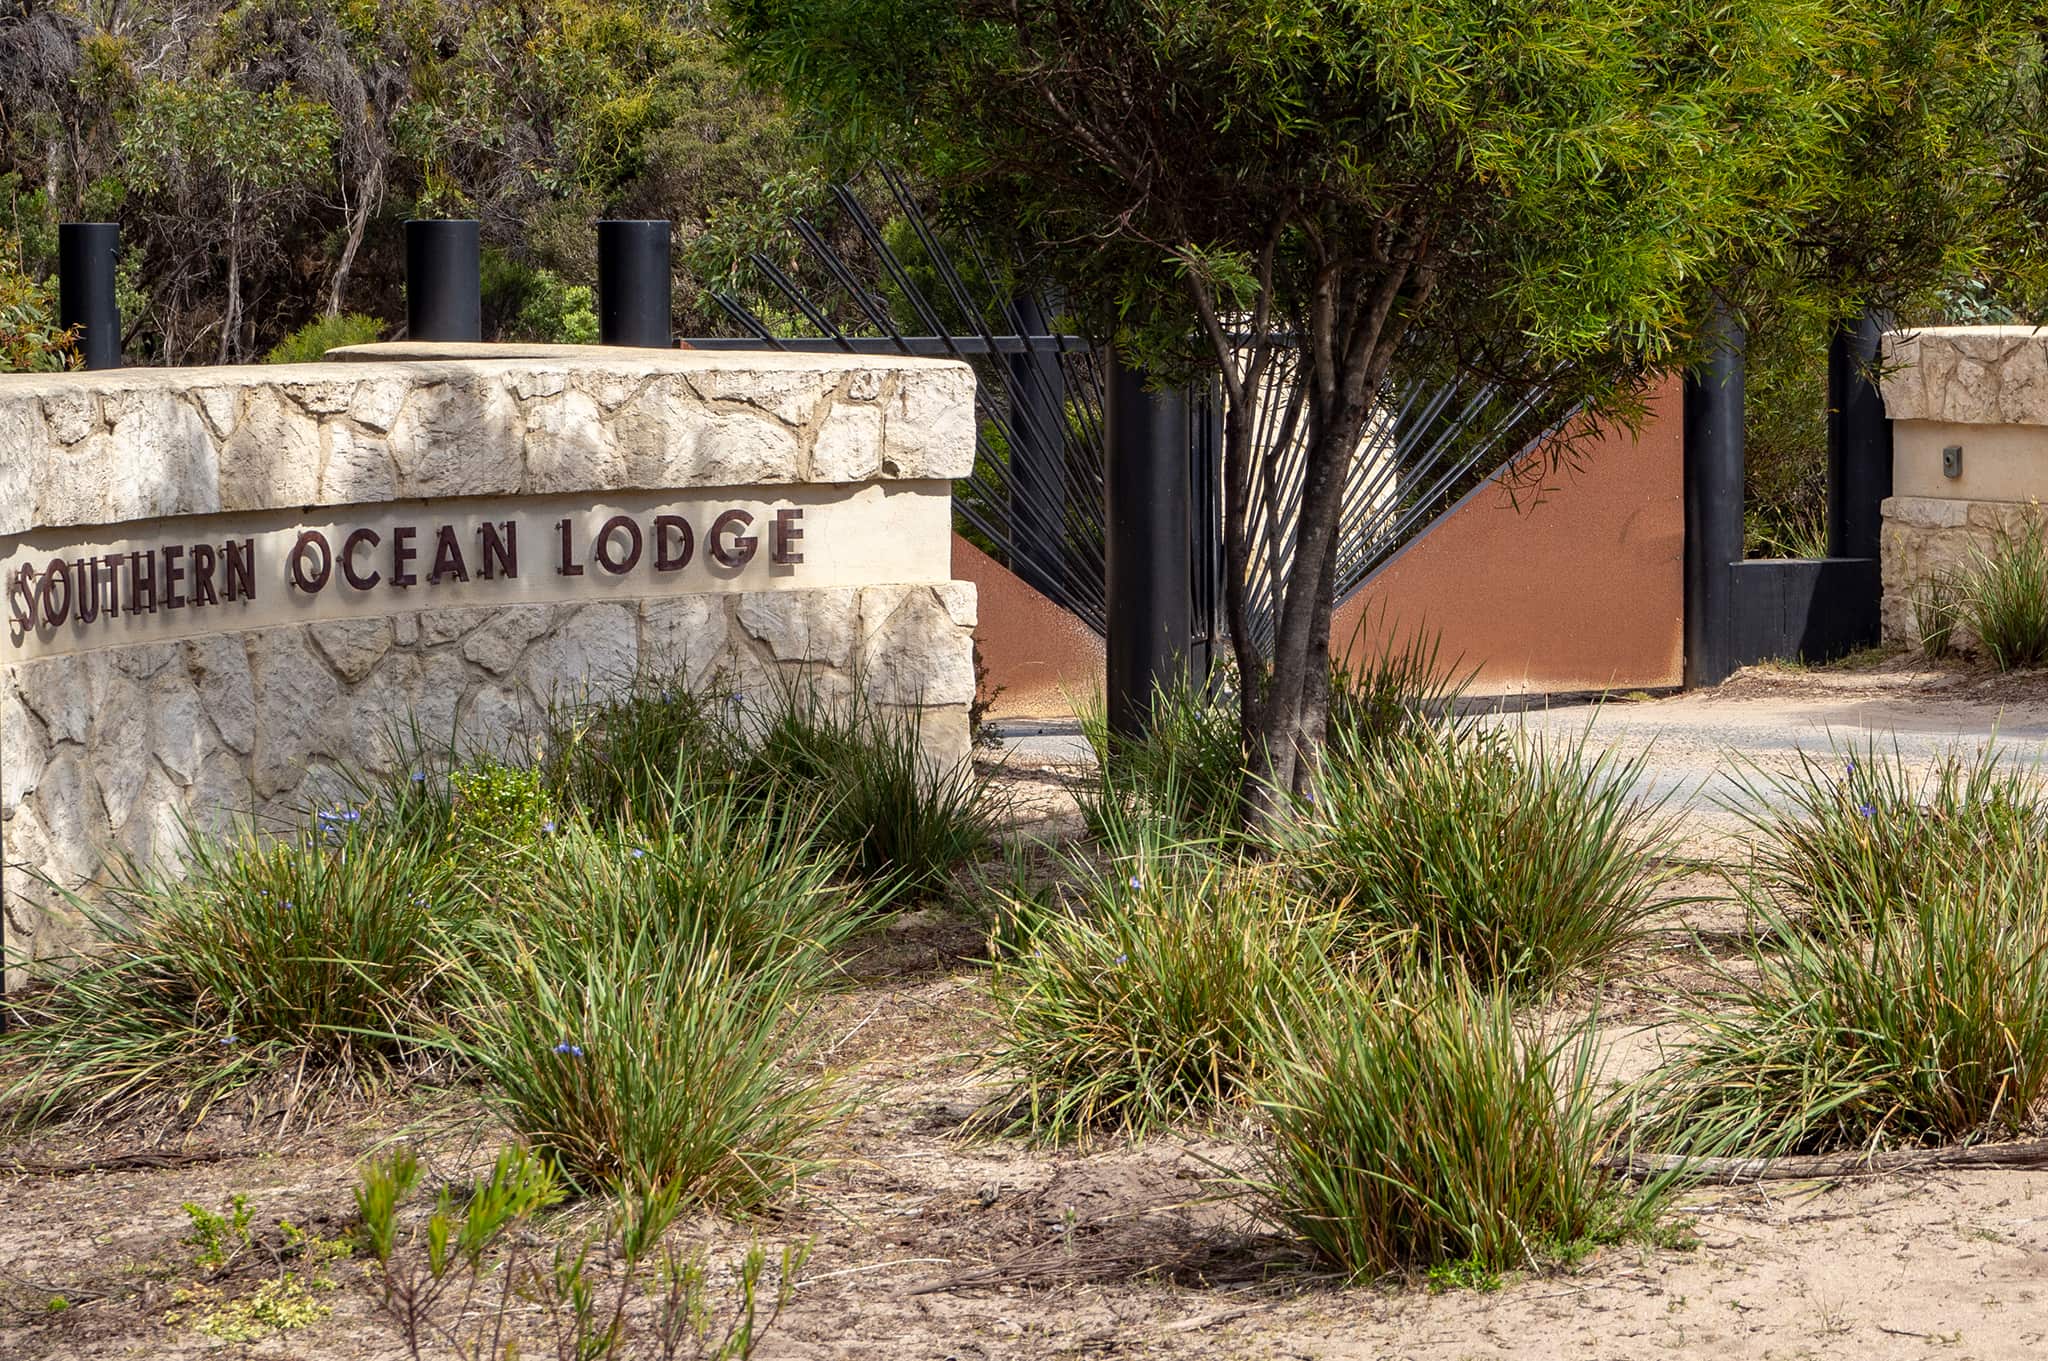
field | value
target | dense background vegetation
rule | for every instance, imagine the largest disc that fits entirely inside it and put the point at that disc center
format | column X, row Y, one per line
column 261, row 156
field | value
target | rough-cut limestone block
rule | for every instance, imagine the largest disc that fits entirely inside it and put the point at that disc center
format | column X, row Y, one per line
column 467, row 420
column 1927, row 539
column 115, row 747
column 1967, row 375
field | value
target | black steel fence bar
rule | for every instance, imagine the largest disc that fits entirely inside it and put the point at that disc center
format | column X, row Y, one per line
column 1149, row 592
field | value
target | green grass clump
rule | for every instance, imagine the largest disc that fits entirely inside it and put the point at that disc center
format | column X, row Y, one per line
column 1527, row 860
column 627, row 753
column 1926, row 1024
column 1141, row 1003
column 756, row 880
column 1855, row 836
column 1417, row 1127
column 1186, row 771
column 905, row 821
column 311, row 342
column 2002, row 598
column 632, row 1055
column 323, row 951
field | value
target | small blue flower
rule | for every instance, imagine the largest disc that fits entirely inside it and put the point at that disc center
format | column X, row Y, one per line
column 226, row 1040
column 547, row 828
column 1866, row 810
column 1136, row 883
column 574, row 1051
column 419, row 777
column 639, row 854
column 1123, row 959
column 1852, row 766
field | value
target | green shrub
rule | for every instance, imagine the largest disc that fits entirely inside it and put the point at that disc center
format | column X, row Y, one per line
column 1526, row 859
column 31, row 341
column 321, row 950
column 2002, row 598
column 631, row 1054
column 311, row 342
column 1416, row 1126
column 1855, row 837
column 1929, row 1023
column 1140, row 1003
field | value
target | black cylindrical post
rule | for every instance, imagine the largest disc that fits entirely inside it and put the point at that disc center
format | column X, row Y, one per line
column 87, row 253
column 1038, row 453
column 1150, row 613
column 1713, row 503
column 1859, row 439
column 633, row 282
column 443, row 280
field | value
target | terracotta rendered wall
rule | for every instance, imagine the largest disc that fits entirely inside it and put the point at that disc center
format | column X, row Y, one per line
column 1575, row 587
column 1038, row 660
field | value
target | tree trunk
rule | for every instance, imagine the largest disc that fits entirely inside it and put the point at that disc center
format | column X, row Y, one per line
column 1291, row 719
column 359, row 215
column 231, row 323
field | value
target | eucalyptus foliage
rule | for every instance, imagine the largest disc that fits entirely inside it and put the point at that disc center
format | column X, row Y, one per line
column 1539, row 193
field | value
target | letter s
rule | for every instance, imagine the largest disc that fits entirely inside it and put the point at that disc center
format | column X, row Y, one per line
column 21, row 603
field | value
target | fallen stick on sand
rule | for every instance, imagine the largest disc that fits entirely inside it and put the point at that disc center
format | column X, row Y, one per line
column 1807, row 1167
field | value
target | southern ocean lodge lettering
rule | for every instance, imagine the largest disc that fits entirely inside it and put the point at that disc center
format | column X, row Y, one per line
column 85, row 592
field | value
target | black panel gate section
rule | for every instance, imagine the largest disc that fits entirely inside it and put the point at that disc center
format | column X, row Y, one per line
column 1038, row 499
column 1741, row 611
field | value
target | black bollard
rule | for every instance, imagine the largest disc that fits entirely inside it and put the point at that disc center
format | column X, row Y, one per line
column 1150, row 605
column 1713, row 504
column 633, row 283
column 87, row 253
column 443, row 280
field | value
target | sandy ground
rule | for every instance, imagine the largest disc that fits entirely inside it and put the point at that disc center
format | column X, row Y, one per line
column 928, row 1244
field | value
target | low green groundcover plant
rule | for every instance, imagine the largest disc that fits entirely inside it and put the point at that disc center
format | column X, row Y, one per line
column 1852, row 837
column 1528, row 860
column 1141, row 1002
column 323, row 952
column 1418, row 1126
column 1926, row 1024
column 470, row 1280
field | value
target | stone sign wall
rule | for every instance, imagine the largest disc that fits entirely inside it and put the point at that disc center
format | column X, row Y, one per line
column 1969, row 406
column 225, row 584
